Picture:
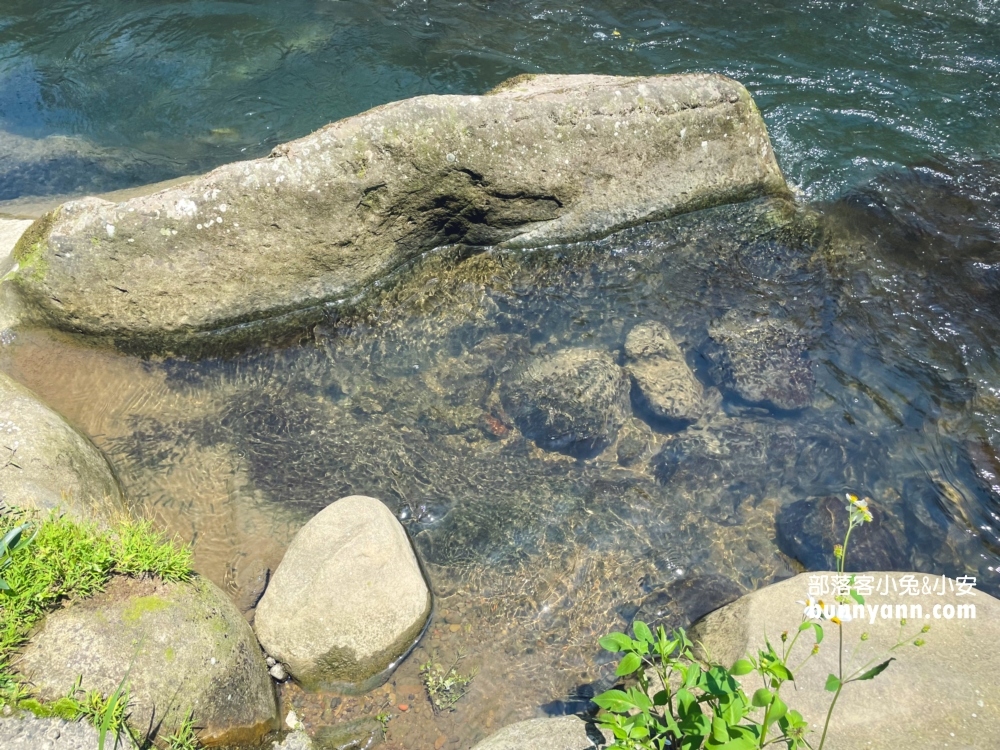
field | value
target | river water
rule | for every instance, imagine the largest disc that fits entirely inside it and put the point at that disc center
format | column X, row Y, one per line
column 879, row 291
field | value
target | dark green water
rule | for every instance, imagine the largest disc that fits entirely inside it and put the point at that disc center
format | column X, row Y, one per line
column 158, row 89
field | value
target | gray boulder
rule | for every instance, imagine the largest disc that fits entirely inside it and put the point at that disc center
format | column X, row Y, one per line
column 542, row 159
column 665, row 384
column 562, row 733
column 46, row 464
column 347, row 601
column 572, row 401
column 27, row 732
column 942, row 694
column 765, row 360
column 180, row 647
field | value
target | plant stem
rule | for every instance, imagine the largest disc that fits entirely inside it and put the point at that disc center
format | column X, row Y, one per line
column 840, row 669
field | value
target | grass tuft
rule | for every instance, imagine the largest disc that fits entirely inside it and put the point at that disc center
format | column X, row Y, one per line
column 70, row 560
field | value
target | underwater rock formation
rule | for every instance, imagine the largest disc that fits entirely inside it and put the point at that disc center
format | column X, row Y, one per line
column 765, row 360
column 666, row 386
column 539, row 160
column 45, row 463
column 572, row 401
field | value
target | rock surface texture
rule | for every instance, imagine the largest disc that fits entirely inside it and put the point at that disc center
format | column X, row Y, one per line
column 942, row 694
column 572, row 401
column 348, row 599
column 563, row 733
column 665, row 384
column 184, row 647
column 45, row 463
column 765, row 360
column 541, row 159
column 30, row 733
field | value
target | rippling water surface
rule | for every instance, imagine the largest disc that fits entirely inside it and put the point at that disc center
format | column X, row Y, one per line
column 159, row 89
column 884, row 291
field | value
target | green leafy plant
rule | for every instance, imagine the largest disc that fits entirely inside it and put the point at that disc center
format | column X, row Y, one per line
column 13, row 541
column 184, row 737
column 109, row 715
column 673, row 699
column 445, row 688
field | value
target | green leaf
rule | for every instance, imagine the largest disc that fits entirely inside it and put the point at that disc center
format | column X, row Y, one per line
column 642, row 631
column 615, row 642
column 741, row 667
column 780, row 671
column 614, row 700
column 875, row 671
column 819, row 632
column 778, row 709
column 857, row 597
column 739, row 743
column 761, row 698
column 660, row 698
column 684, row 699
column 833, row 683
column 720, row 732
column 628, row 665
column 640, row 699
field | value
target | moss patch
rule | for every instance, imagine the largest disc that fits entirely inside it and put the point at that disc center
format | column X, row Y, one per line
column 34, row 241
column 141, row 606
column 511, row 83
column 65, row 561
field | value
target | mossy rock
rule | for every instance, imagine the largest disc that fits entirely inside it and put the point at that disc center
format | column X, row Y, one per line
column 179, row 647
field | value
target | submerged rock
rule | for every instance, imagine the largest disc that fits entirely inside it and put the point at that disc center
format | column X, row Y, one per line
column 807, row 531
column 765, row 360
column 665, row 385
column 572, row 401
column 562, row 733
column 348, row 599
column 962, row 712
column 46, row 464
column 180, row 647
column 682, row 602
column 543, row 159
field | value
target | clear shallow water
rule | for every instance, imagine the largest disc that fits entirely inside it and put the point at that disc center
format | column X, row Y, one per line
column 161, row 89
column 894, row 291
column 534, row 554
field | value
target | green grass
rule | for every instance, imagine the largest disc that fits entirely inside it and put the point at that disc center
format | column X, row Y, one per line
column 185, row 737
column 69, row 560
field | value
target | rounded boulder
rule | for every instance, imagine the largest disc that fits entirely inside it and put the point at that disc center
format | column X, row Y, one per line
column 573, row 401
column 179, row 648
column 347, row 601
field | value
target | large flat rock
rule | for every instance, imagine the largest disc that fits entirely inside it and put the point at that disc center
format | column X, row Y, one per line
column 940, row 695
column 543, row 159
column 562, row 733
